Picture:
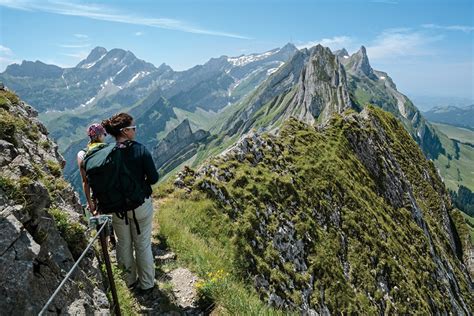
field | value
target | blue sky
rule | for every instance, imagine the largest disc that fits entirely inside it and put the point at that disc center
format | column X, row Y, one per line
column 427, row 47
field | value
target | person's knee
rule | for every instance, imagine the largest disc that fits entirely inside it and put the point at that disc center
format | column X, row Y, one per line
column 143, row 246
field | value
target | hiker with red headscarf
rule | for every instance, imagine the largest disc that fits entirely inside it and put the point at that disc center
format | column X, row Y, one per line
column 96, row 133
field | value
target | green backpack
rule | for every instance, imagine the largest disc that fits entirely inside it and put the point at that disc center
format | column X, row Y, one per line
column 112, row 184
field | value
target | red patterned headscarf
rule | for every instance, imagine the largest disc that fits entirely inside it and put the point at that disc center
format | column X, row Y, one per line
column 94, row 131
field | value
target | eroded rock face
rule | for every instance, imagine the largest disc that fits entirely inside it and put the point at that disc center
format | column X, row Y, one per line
column 179, row 145
column 35, row 254
column 322, row 88
column 310, row 86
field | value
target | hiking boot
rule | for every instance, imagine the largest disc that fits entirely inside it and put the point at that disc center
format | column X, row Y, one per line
column 143, row 292
column 133, row 285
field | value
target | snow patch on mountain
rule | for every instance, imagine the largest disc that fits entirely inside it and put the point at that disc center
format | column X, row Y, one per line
column 67, row 86
column 247, row 59
column 90, row 101
column 89, row 65
column 273, row 70
column 118, row 73
column 140, row 74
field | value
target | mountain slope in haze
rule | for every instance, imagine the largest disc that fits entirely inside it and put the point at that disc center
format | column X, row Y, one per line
column 102, row 74
column 345, row 218
column 117, row 76
column 452, row 115
column 426, row 103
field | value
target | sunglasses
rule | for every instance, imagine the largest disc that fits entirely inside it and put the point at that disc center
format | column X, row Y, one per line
column 134, row 127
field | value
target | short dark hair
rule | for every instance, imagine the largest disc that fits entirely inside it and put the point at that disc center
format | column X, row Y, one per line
column 114, row 124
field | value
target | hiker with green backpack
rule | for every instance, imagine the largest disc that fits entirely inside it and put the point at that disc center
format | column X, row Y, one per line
column 120, row 176
column 96, row 133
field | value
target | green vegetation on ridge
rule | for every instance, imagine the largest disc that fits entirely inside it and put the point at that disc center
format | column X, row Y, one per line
column 354, row 250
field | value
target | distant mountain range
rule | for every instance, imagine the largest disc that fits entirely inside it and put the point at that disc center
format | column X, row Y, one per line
column 452, row 115
column 226, row 96
column 426, row 103
column 117, row 76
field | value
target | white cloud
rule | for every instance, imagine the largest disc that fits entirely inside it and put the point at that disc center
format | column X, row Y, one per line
column 6, row 57
column 77, row 55
column 74, row 45
column 395, row 43
column 462, row 28
column 5, row 61
column 100, row 12
column 5, row 50
column 82, row 36
column 334, row 43
column 138, row 33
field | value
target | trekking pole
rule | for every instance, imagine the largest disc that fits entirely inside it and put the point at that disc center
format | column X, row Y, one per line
column 98, row 220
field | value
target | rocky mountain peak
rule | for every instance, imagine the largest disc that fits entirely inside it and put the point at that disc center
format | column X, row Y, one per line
column 290, row 47
column 359, row 64
column 164, row 67
column 322, row 87
column 310, row 86
column 342, row 53
column 179, row 145
column 288, row 50
column 93, row 56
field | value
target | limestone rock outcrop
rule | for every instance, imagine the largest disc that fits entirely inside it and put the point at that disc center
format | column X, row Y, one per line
column 41, row 233
column 179, row 145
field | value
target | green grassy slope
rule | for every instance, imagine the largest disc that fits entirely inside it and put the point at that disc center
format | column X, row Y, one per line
column 461, row 134
column 303, row 219
column 456, row 166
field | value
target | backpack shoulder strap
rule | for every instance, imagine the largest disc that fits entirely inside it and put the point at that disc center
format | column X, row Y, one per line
column 98, row 155
column 90, row 151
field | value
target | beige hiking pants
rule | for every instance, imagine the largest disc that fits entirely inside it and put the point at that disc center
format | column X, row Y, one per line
column 128, row 241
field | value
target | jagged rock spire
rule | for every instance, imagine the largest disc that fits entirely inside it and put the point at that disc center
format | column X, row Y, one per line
column 359, row 64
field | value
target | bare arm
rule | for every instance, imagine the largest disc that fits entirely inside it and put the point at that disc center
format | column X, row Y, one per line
column 85, row 185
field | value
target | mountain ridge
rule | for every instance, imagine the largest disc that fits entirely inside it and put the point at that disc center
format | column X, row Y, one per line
column 319, row 218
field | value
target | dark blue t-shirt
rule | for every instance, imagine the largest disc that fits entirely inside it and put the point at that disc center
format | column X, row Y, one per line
column 140, row 164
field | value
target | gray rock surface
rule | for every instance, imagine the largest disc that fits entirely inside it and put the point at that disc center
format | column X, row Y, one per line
column 34, row 252
column 322, row 88
column 179, row 145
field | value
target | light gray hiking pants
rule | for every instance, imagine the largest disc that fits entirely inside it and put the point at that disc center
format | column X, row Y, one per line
column 141, row 263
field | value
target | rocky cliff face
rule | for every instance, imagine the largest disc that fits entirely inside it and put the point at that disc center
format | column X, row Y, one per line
column 179, row 145
column 310, row 86
column 322, row 89
column 41, row 233
column 348, row 217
